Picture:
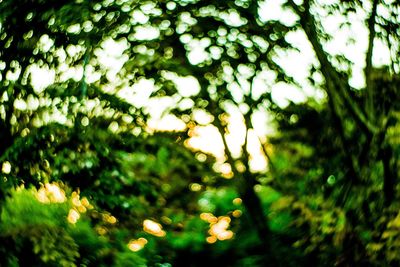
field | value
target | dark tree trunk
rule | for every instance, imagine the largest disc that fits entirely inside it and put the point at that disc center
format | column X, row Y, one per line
column 258, row 217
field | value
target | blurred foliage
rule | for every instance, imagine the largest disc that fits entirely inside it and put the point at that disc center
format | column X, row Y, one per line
column 87, row 181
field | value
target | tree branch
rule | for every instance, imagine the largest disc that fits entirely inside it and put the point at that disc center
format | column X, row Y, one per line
column 368, row 61
column 335, row 83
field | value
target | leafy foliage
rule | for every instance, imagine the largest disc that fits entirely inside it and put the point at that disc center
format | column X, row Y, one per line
column 86, row 180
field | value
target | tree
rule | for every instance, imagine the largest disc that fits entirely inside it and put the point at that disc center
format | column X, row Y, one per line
column 240, row 46
column 74, row 136
column 234, row 51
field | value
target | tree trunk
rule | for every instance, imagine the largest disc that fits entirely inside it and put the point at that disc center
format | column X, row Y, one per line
column 258, row 217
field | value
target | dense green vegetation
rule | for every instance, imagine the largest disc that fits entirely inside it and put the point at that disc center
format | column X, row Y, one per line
column 86, row 179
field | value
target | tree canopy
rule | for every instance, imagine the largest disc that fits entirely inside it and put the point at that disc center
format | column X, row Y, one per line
column 296, row 104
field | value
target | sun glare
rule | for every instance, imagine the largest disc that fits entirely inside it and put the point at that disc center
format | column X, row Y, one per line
column 153, row 228
column 137, row 244
column 218, row 227
column 51, row 193
column 6, row 167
